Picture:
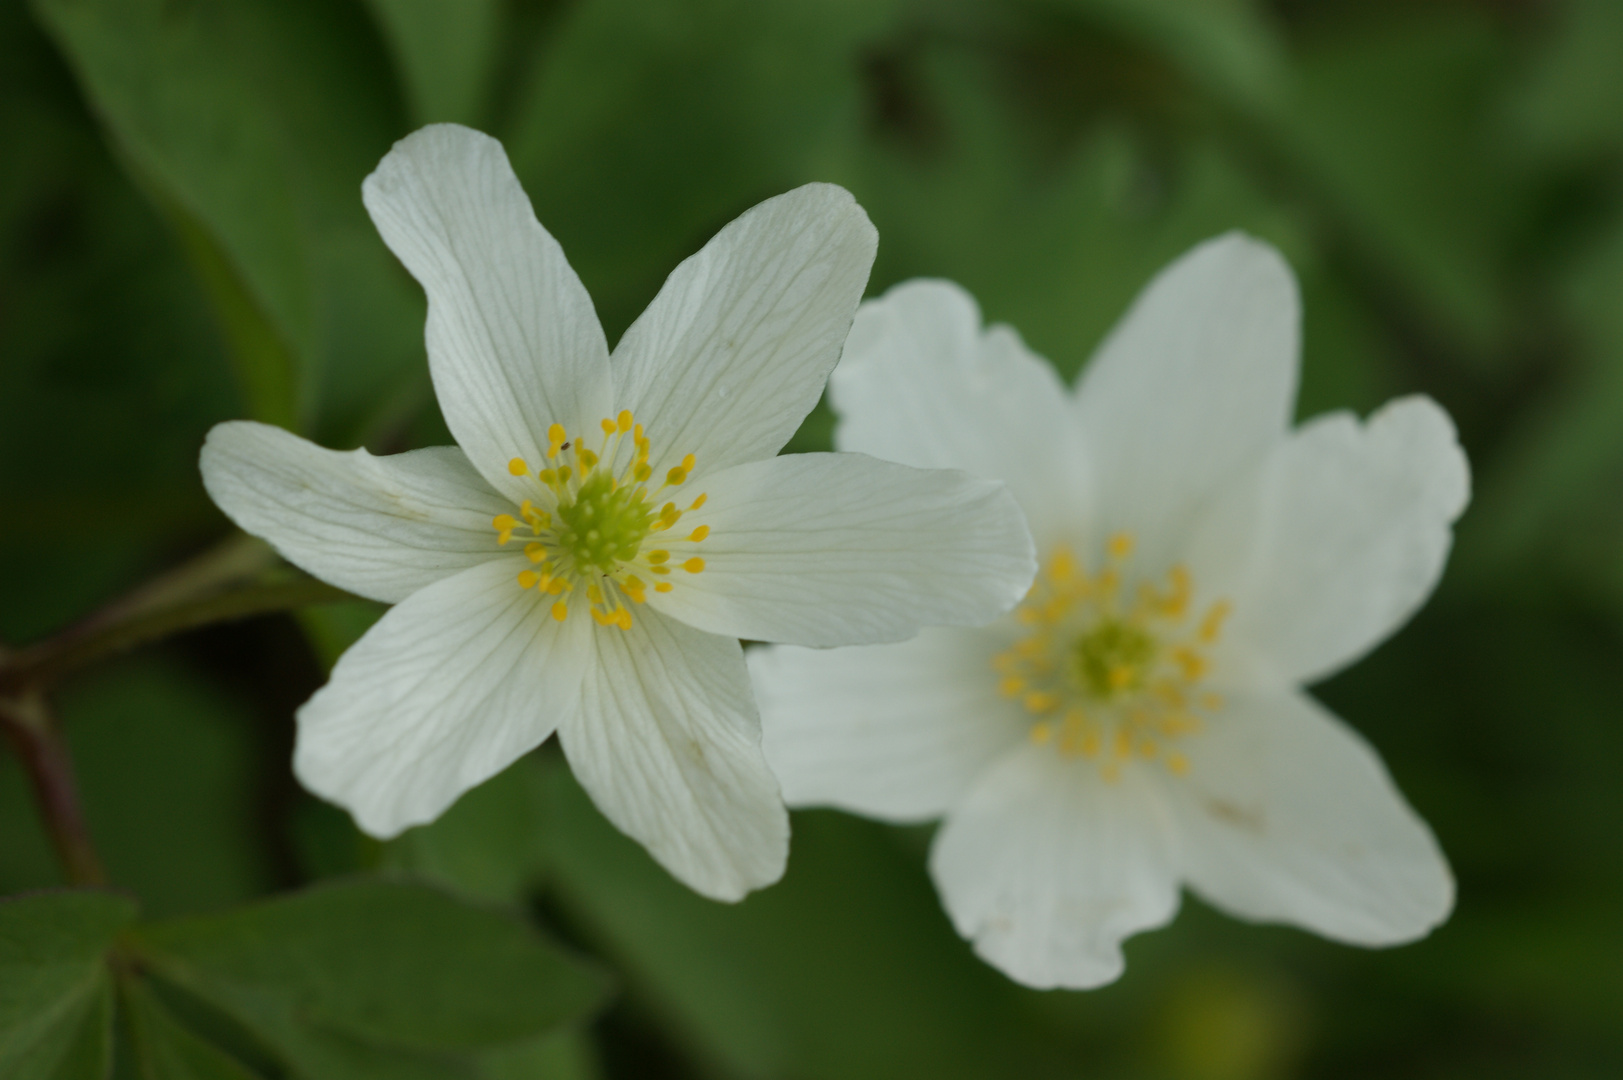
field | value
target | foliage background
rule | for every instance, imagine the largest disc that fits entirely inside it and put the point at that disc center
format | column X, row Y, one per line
column 182, row 242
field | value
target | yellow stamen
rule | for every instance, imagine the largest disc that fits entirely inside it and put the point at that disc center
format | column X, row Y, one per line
column 662, row 586
column 516, row 467
column 527, row 579
column 623, row 421
column 560, row 610
column 700, row 533
column 694, row 565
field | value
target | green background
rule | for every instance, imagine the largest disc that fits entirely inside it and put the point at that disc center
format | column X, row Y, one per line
column 182, row 242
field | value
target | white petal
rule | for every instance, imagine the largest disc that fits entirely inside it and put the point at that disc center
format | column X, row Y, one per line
column 668, row 745
column 380, row 527
column 513, row 342
column 1288, row 816
column 1337, row 538
column 891, row 731
column 1047, row 868
column 922, row 383
column 443, row 693
column 1195, row 384
column 735, row 350
column 842, row 549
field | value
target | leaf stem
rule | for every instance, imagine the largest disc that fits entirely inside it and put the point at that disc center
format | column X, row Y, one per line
column 197, row 594
column 44, row 754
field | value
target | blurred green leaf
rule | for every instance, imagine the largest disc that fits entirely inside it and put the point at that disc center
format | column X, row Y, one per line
column 564, row 1055
column 55, row 993
column 847, row 968
column 1056, row 250
column 166, row 1050
column 648, row 124
column 253, row 124
column 390, row 963
column 445, row 54
column 1567, row 104
column 1225, row 47
column 169, row 773
column 490, row 844
column 1392, row 118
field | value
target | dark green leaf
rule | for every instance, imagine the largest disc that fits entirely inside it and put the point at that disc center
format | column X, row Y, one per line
column 395, row 964
column 165, row 1050
column 846, row 969
column 255, row 122
column 55, row 997
column 489, row 845
column 445, row 54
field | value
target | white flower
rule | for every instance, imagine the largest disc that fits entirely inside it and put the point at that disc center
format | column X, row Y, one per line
column 1138, row 722
column 610, row 526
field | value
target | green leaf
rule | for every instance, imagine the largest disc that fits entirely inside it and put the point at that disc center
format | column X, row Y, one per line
column 55, row 995
column 648, row 124
column 389, row 963
column 564, row 1055
column 165, row 1050
column 847, row 969
column 1226, row 47
column 253, row 123
column 1389, row 120
column 445, row 54
column 490, row 845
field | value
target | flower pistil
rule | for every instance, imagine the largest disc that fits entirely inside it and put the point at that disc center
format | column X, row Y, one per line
column 1108, row 673
column 592, row 528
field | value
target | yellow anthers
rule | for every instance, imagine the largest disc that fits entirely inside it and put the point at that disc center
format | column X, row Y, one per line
column 699, row 501
column 1211, row 627
column 590, row 518
column 1109, row 663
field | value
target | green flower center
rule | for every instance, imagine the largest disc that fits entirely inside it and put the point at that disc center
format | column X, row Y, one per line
column 604, row 525
column 1112, row 658
column 603, row 510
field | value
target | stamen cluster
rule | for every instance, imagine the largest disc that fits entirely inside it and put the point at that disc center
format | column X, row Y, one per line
column 1108, row 673
column 588, row 525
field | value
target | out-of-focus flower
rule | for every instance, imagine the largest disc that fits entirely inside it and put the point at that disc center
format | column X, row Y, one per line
column 1138, row 721
column 610, row 526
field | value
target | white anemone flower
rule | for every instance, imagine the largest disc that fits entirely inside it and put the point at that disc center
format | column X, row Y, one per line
column 1138, row 722
column 608, row 527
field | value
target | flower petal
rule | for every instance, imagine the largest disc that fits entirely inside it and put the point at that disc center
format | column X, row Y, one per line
column 1194, row 384
column 735, row 350
column 668, row 745
column 1047, row 868
column 1336, row 539
column 1288, row 816
column 380, row 527
column 896, row 732
column 843, row 549
column 922, row 383
column 443, row 693
column 513, row 342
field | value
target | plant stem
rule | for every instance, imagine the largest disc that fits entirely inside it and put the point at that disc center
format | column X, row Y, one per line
column 45, row 756
column 41, row 665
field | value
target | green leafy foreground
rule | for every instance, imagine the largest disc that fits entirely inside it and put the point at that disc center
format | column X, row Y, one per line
column 352, row 978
